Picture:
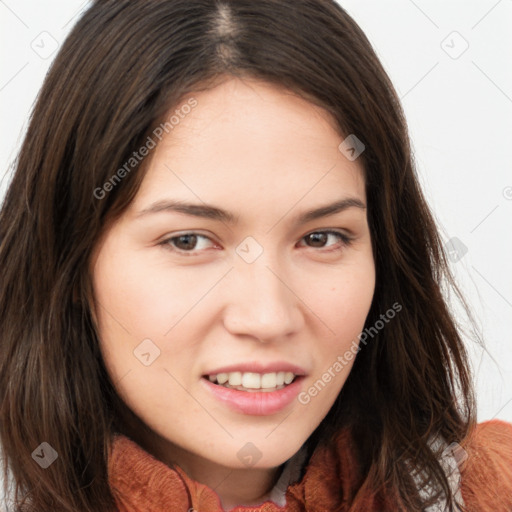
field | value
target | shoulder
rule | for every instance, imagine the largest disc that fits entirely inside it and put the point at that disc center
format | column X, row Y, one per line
column 486, row 475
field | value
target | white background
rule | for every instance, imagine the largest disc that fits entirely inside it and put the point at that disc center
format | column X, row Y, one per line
column 459, row 108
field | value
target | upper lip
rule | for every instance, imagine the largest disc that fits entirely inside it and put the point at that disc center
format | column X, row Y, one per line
column 255, row 367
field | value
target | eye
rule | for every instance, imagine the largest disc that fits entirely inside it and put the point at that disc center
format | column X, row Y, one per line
column 186, row 243
column 189, row 244
column 319, row 239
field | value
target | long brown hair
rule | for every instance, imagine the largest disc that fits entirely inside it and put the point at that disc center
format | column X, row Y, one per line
column 123, row 66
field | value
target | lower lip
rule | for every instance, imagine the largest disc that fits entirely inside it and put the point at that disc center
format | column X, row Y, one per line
column 256, row 403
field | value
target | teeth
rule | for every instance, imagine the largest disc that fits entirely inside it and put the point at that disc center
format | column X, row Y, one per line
column 288, row 377
column 222, row 378
column 235, row 379
column 253, row 381
column 269, row 380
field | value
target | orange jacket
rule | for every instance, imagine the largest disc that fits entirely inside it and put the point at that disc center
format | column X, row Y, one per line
column 141, row 483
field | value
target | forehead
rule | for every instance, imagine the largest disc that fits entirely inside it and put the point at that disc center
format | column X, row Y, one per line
column 253, row 111
column 253, row 143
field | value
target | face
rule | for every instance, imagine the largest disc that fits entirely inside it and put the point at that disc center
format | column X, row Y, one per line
column 230, row 264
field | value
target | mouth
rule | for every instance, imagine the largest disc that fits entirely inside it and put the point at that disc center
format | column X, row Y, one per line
column 256, row 394
column 253, row 382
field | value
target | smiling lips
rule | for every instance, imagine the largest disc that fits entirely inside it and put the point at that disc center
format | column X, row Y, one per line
column 250, row 381
column 255, row 389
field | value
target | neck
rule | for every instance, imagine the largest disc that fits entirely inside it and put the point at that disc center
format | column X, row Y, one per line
column 239, row 486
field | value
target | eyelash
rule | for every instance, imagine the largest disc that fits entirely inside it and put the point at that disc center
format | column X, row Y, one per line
column 345, row 241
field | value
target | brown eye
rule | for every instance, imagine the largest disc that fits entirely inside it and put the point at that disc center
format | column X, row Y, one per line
column 320, row 239
column 187, row 244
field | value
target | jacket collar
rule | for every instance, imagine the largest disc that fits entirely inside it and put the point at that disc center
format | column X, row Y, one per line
column 141, row 483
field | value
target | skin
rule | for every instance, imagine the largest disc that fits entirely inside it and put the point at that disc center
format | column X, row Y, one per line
column 265, row 155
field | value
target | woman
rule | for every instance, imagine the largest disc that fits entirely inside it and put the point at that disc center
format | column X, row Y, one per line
column 221, row 283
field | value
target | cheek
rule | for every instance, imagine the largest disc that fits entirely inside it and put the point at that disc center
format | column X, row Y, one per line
column 137, row 305
column 142, row 295
column 143, row 298
column 343, row 308
column 342, row 302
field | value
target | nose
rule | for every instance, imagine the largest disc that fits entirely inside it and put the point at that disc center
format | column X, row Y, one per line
column 261, row 302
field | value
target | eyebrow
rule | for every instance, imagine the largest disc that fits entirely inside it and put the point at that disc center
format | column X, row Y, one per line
column 215, row 213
